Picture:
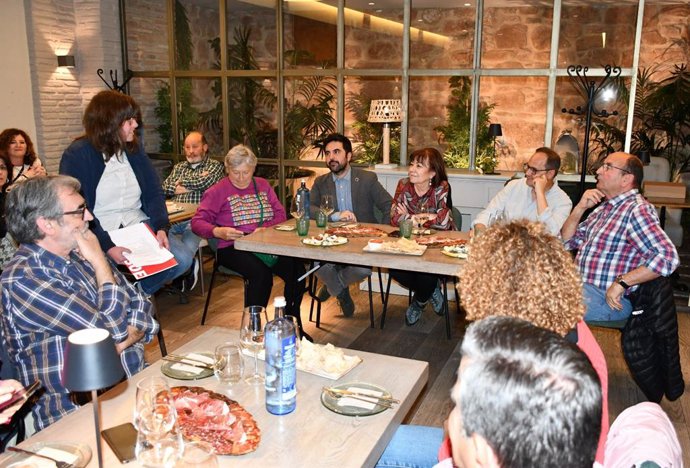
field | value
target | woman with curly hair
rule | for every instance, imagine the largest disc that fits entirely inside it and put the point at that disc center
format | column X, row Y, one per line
column 518, row 269
column 17, row 150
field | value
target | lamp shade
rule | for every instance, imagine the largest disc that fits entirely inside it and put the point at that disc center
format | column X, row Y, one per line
column 645, row 157
column 91, row 361
column 495, row 130
column 385, row 110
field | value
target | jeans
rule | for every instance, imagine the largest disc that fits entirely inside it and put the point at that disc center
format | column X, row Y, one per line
column 338, row 277
column 597, row 308
column 184, row 232
column 151, row 284
column 412, row 447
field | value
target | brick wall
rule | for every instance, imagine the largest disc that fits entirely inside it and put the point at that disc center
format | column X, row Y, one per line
column 87, row 29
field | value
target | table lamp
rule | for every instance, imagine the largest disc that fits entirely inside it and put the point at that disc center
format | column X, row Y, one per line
column 385, row 111
column 91, row 364
column 495, row 131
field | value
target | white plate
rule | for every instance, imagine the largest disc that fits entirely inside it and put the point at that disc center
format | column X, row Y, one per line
column 285, row 227
column 327, row 242
column 456, row 251
column 351, row 362
column 77, row 454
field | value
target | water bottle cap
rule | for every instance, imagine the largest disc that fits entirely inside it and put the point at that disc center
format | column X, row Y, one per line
column 279, row 301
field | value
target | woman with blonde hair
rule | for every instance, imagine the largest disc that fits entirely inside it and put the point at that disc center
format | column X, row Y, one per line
column 518, row 269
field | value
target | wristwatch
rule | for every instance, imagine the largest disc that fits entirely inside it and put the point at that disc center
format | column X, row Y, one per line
column 619, row 280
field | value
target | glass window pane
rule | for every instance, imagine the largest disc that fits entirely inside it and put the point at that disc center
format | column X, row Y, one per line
column 367, row 137
column 607, row 134
column 309, row 34
column 196, row 35
column 252, row 35
column 516, row 36
column 519, row 105
column 199, row 108
column 442, row 37
column 252, row 115
column 153, row 97
column 310, row 104
column 597, row 34
column 431, row 123
column 147, row 35
column 373, row 35
column 664, row 33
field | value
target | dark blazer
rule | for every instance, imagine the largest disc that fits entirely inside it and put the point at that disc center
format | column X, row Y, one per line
column 650, row 341
column 368, row 195
column 85, row 163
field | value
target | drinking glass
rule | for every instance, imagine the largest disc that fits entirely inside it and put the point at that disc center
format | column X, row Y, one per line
column 198, row 455
column 406, row 228
column 229, row 365
column 298, row 337
column 159, row 442
column 150, row 391
column 297, row 207
column 302, row 226
column 497, row 218
column 327, row 205
column 321, row 219
column 252, row 337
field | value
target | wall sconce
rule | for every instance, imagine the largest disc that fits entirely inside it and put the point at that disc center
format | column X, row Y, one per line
column 65, row 61
column 385, row 111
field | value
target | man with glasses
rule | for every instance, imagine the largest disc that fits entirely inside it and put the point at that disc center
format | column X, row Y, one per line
column 620, row 244
column 59, row 282
column 536, row 197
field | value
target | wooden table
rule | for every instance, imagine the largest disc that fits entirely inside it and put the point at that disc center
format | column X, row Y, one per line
column 664, row 203
column 288, row 243
column 310, row 436
column 188, row 210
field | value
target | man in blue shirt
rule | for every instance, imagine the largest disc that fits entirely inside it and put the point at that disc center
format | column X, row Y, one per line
column 59, row 282
column 358, row 195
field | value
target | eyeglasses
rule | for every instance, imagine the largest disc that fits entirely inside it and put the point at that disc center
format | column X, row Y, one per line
column 532, row 170
column 609, row 166
column 81, row 211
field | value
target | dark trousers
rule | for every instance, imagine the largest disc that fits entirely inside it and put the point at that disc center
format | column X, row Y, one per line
column 421, row 284
column 260, row 278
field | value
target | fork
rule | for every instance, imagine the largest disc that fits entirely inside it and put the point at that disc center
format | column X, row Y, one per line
column 58, row 463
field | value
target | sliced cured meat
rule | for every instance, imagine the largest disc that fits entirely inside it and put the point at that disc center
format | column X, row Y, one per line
column 356, row 231
column 440, row 241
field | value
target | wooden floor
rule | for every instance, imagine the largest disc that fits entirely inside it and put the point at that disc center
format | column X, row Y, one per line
column 425, row 341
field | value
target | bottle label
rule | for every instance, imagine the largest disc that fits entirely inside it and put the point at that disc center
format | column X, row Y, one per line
column 288, row 375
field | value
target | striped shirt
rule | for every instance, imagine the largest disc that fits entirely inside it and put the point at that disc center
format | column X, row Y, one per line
column 195, row 179
column 45, row 297
column 620, row 235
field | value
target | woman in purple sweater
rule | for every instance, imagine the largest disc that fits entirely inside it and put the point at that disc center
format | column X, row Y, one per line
column 238, row 205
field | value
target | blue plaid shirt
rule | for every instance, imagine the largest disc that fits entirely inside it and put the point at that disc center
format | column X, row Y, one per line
column 620, row 235
column 45, row 297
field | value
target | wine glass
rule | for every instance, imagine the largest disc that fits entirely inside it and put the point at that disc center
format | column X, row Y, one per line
column 150, row 391
column 327, row 205
column 159, row 442
column 297, row 207
column 252, row 337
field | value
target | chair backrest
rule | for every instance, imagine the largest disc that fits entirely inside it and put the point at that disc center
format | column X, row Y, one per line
column 457, row 219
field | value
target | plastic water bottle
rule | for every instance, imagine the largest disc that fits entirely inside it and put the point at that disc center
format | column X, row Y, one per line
column 281, row 371
column 303, row 195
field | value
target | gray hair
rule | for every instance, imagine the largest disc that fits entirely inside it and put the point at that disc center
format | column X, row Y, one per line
column 533, row 396
column 238, row 155
column 32, row 199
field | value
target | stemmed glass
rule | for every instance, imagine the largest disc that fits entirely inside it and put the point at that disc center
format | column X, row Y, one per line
column 327, row 205
column 297, row 207
column 159, row 442
column 252, row 337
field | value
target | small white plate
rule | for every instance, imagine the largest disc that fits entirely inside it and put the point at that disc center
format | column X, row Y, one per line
column 82, row 452
column 329, row 241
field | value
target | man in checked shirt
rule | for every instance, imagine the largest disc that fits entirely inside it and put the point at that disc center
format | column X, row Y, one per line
column 58, row 282
column 621, row 243
column 186, row 184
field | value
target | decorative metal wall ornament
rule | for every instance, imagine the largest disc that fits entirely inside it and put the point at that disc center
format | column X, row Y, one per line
column 113, row 79
column 591, row 90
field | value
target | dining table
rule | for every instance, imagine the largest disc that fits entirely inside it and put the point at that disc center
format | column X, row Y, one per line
column 274, row 240
column 310, row 436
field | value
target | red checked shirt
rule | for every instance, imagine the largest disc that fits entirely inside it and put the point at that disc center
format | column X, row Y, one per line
column 620, row 235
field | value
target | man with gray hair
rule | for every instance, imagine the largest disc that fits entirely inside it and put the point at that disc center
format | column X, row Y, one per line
column 59, row 282
column 524, row 396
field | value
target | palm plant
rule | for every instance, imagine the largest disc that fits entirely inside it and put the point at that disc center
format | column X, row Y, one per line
column 456, row 132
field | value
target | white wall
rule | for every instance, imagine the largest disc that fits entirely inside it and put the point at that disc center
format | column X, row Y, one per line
column 17, row 109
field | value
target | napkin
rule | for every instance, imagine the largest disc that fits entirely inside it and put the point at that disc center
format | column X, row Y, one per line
column 189, row 367
column 52, row 453
column 359, row 403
